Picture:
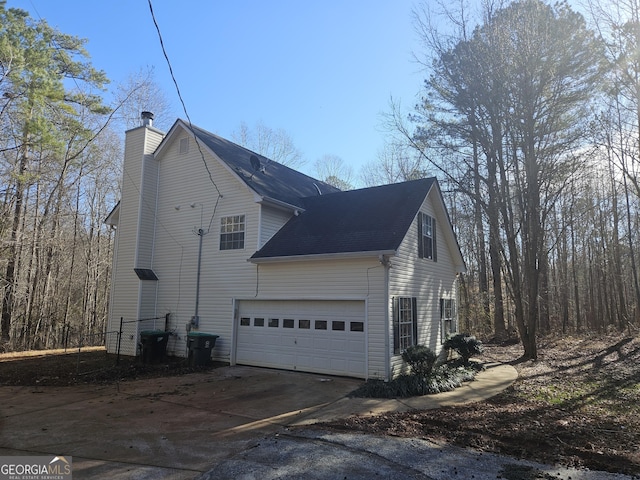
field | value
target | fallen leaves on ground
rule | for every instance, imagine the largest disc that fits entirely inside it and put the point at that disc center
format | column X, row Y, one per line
column 577, row 405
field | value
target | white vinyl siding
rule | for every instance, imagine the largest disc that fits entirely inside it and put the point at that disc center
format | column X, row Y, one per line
column 340, row 279
column 272, row 220
column 428, row 281
column 184, row 181
column 134, row 238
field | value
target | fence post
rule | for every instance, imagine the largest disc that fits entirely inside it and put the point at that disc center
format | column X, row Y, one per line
column 119, row 337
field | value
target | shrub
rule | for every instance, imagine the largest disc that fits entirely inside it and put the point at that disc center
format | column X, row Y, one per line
column 421, row 359
column 465, row 345
column 442, row 378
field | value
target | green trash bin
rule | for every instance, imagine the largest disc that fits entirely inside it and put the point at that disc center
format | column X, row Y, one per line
column 200, row 345
column 154, row 345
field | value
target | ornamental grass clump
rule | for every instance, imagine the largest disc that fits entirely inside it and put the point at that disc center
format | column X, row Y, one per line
column 465, row 345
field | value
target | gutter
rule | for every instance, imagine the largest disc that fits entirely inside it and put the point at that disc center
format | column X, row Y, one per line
column 261, row 199
column 322, row 256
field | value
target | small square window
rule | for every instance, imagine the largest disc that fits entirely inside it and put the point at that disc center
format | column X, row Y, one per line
column 274, row 322
column 245, row 321
column 304, row 324
column 337, row 325
column 321, row 324
column 288, row 323
column 258, row 322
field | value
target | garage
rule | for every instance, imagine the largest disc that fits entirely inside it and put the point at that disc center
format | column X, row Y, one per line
column 320, row 336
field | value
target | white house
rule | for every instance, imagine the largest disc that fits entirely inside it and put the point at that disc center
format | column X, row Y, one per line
column 290, row 272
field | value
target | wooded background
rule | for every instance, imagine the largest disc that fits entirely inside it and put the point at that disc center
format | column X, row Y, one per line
column 530, row 118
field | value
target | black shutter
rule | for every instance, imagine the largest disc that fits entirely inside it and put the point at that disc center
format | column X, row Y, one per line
column 433, row 233
column 414, row 320
column 420, row 237
column 396, row 325
column 442, row 334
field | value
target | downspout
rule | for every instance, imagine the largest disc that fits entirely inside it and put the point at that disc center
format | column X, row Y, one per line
column 195, row 321
column 384, row 260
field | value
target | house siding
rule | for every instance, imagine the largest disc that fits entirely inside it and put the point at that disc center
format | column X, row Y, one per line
column 126, row 289
column 171, row 209
column 184, row 181
column 343, row 279
column 424, row 279
column 272, row 220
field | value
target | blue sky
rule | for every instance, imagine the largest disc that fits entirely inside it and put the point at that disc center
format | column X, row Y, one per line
column 323, row 71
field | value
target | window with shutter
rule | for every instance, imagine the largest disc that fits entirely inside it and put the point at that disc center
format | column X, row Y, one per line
column 405, row 323
column 427, row 237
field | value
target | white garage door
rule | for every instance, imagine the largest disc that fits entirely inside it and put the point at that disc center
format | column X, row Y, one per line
column 309, row 336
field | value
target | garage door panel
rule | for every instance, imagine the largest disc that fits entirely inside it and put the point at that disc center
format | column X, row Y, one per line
column 314, row 336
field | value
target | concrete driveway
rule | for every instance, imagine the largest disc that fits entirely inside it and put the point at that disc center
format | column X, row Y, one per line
column 231, row 422
column 174, row 427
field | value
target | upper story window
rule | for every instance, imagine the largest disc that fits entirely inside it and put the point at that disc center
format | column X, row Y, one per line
column 232, row 232
column 427, row 237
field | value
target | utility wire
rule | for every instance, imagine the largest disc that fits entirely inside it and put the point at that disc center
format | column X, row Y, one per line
column 184, row 108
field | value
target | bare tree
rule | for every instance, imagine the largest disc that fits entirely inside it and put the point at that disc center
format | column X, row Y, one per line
column 275, row 144
column 334, row 171
column 139, row 93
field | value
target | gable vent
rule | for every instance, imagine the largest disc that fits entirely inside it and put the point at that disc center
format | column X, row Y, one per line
column 184, row 145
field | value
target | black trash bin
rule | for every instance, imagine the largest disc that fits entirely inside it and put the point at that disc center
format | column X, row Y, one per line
column 200, row 345
column 154, row 345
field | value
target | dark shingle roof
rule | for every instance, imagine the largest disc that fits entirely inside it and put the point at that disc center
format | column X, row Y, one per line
column 367, row 220
column 276, row 182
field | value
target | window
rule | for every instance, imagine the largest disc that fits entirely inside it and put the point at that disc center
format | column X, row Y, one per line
column 321, row 324
column 274, row 322
column 337, row 325
column 448, row 317
column 258, row 322
column 288, row 323
column 245, row 321
column 405, row 323
column 427, row 237
column 357, row 326
column 304, row 324
column 232, row 233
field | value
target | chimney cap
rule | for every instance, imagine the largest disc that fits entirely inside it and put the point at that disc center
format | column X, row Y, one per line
column 147, row 119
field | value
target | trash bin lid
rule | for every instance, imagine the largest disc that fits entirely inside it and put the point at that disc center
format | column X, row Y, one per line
column 202, row 335
column 153, row 333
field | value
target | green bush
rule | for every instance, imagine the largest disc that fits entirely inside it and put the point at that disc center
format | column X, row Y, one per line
column 442, row 378
column 421, row 359
column 465, row 345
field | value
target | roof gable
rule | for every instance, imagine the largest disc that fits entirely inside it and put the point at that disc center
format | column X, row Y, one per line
column 366, row 220
column 268, row 179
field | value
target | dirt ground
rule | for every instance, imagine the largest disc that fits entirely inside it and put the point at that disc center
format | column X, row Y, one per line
column 91, row 365
column 577, row 405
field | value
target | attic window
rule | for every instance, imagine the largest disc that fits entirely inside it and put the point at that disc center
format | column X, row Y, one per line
column 184, row 145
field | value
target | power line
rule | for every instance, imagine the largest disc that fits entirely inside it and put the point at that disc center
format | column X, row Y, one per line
column 184, row 108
